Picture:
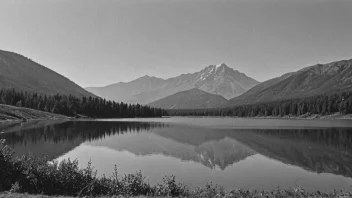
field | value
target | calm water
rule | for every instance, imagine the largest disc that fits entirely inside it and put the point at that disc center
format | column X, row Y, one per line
column 235, row 153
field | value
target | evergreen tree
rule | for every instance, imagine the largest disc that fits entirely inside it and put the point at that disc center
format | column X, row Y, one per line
column 72, row 106
column 320, row 104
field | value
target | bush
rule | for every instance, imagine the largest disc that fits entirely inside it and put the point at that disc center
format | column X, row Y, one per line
column 38, row 175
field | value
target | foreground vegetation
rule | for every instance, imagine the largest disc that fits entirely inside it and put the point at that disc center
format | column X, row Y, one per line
column 34, row 175
column 292, row 193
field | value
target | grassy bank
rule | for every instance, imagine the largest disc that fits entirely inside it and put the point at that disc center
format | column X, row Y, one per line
column 12, row 113
column 20, row 176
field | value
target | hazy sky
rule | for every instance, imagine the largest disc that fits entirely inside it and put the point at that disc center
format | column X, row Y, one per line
column 96, row 43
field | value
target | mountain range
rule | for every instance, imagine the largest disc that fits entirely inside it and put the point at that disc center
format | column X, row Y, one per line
column 21, row 73
column 314, row 80
column 215, row 86
column 214, row 79
column 218, row 86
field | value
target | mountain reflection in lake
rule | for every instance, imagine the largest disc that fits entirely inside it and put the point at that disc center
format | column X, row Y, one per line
column 317, row 159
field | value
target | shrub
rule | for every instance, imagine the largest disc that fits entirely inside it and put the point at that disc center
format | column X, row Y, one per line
column 38, row 175
column 7, row 168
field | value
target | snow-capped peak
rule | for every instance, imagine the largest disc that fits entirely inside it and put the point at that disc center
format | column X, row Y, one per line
column 219, row 65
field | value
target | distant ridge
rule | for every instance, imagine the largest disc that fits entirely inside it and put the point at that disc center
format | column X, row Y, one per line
column 21, row 73
column 313, row 80
column 190, row 99
column 215, row 79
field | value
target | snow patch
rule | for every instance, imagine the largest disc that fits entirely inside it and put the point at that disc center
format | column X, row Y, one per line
column 205, row 75
column 219, row 65
column 212, row 69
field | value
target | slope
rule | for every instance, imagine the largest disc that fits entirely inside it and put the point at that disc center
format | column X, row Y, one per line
column 190, row 99
column 21, row 73
column 309, row 81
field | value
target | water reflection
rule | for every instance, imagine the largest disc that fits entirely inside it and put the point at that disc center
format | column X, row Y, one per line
column 56, row 138
column 324, row 150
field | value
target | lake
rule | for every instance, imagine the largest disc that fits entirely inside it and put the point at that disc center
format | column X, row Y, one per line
column 231, row 152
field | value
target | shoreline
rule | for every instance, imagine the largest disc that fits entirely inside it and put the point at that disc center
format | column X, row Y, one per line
column 22, row 114
column 334, row 116
column 14, row 115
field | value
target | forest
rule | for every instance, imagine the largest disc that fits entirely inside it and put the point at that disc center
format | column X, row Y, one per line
column 321, row 104
column 94, row 107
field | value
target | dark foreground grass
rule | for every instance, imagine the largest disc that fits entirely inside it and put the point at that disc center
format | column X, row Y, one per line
column 21, row 176
column 17, row 195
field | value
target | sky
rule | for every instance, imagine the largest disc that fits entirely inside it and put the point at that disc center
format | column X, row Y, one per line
column 96, row 43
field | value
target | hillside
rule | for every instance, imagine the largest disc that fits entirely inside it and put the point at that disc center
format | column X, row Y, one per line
column 313, row 80
column 8, row 112
column 215, row 79
column 21, row 73
column 190, row 99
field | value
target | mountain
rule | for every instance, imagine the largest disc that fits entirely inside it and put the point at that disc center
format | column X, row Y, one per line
column 309, row 81
column 21, row 73
column 129, row 92
column 190, row 99
column 215, row 79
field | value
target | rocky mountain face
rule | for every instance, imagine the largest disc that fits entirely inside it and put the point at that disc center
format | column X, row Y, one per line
column 215, row 79
column 224, row 81
column 190, row 99
column 309, row 81
column 21, row 73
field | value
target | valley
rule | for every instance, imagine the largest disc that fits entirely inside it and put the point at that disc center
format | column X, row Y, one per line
column 320, row 91
column 191, row 99
column 301, row 125
column 209, row 89
column 214, row 79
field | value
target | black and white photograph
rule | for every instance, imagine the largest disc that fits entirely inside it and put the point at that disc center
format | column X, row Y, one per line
column 176, row 98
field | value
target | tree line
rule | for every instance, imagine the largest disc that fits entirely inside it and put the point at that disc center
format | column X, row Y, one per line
column 320, row 104
column 74, row 106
